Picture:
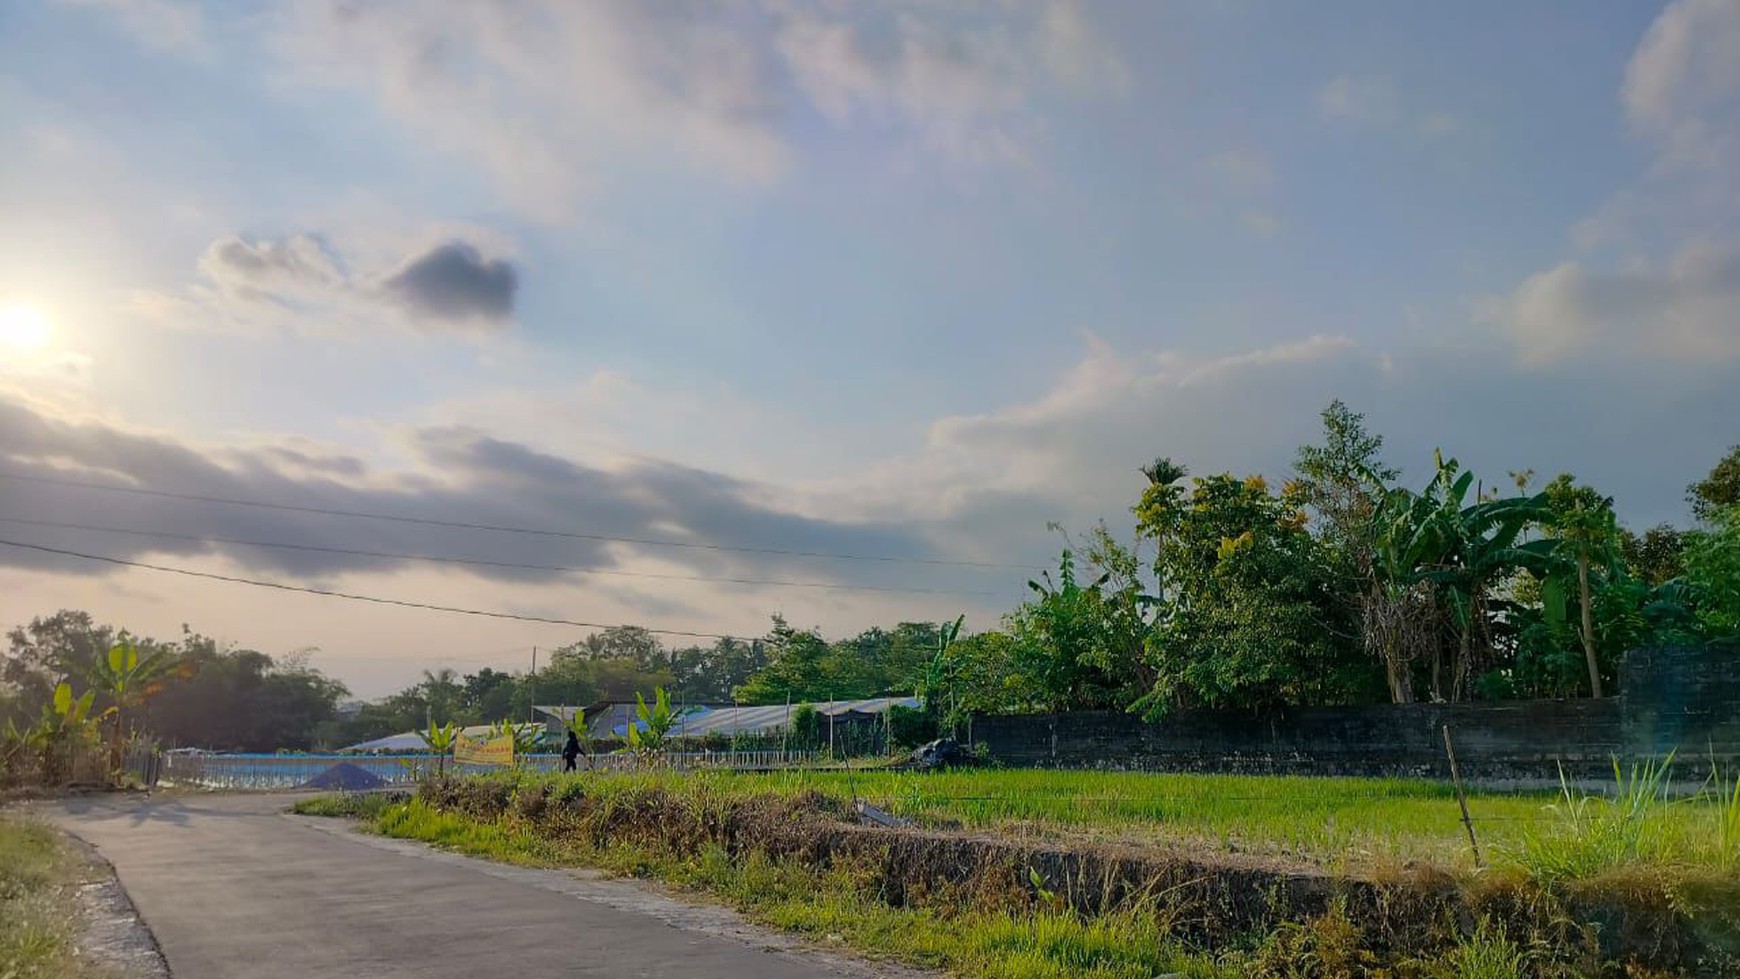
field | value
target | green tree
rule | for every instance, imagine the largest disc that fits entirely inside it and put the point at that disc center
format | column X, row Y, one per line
column 1582, row 522
column 1250, row 619
column 1655, row 556
column 1345, row 484
column 1068, row 643
column 1713, row 574
column 801, row 666
column 1718, row 490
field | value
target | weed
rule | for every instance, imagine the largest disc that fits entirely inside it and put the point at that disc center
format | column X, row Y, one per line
column 1487, row 954
column 1592, row 835
column 37, row 907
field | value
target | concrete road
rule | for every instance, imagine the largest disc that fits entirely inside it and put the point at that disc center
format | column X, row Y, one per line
column 235, row 889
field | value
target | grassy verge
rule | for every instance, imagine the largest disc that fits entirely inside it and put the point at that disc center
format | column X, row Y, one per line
column 39, row 875
column 779, row 849
column 837, row 905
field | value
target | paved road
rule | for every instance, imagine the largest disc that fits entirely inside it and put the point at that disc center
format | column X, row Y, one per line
column 235, row 889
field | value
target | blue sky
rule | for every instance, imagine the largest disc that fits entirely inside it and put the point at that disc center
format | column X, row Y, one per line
column 909, row 277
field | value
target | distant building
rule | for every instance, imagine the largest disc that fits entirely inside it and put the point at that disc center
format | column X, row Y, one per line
column 612, row 719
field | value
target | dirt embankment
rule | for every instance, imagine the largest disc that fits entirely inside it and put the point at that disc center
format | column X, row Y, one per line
column 1215, row 900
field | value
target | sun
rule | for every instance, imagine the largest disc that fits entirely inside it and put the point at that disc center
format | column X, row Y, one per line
column 24, row 328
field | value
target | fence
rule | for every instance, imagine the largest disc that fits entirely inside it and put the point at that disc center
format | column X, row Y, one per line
column 255, row 772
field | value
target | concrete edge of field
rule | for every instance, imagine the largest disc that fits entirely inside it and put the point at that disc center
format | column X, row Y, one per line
column 112, row 933
column 638, row 897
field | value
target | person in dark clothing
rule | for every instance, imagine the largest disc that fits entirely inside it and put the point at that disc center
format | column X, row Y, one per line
column 570, row 752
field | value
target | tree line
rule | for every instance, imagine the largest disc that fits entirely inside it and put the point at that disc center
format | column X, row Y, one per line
column 1336, row 585
column 1340, row 585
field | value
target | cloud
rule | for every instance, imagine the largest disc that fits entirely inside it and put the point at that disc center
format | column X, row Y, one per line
column 453, row 282
column 161, row 24
column 1640, row 430
column 1243, row 170
column 550, row 99
column 1662, row 280
column 1688, row 311
column 1373, row 101
column 1359, row 100
column 1682, row 85
column 1261, row 223
column 966, row 84
column 304, row 282
column 461, row 474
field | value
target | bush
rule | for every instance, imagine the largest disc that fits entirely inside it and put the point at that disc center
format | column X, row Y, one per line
column 910, row 727
column 806, row 728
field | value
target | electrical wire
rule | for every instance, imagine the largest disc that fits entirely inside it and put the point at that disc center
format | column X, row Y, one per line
column 352, row 552
column 502, row 528
column 280, row 586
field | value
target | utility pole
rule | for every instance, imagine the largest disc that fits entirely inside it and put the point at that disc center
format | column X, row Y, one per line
column 532, row 686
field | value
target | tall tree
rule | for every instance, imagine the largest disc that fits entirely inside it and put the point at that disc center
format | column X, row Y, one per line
column 1582, row 521
column 1343, row 482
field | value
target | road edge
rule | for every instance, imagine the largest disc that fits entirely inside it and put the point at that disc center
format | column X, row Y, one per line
column 112, row 932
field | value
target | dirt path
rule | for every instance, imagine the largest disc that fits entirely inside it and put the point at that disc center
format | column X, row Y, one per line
column 232, row 887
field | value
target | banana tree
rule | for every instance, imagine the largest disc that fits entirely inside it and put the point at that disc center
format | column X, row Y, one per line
column 941, row 672
column 528, row 738
column 439, row 739
column 651, row 731
column 1481, row 546
column 126, row 679
column 1459, row 548
column 65, row 720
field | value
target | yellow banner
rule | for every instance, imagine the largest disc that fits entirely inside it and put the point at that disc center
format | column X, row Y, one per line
column 477, row 751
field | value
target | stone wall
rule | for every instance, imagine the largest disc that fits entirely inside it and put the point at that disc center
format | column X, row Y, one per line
column 1671, row 699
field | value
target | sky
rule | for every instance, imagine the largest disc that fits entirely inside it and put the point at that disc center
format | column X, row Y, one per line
column 824, row 309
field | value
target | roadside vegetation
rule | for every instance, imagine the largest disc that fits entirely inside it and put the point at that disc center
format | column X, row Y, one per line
column 1340, row 581
column 1143, row 874
column 39, row 876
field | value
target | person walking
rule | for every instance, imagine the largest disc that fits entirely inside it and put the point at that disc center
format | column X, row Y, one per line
column 570, row 752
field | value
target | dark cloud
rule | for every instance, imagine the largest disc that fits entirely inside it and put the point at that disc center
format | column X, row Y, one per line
column 471, row 477
column 453, row 281
column 448, row 285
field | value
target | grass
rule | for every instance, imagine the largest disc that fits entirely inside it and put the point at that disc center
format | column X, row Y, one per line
column 38, row 903
column 1337, row 823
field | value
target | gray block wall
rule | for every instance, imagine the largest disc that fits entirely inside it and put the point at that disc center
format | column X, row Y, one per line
column 1681, row 699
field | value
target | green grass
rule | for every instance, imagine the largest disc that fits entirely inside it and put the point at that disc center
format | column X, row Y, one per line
column 1342, row 823
column 38, row 906
column 364, row 805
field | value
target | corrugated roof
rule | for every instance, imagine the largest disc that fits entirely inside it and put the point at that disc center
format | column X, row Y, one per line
column 411, row 740
column 771, row 717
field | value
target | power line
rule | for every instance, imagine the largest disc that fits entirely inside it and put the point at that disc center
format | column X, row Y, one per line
column 439, row 559
column 427, row 606
column 506, row 529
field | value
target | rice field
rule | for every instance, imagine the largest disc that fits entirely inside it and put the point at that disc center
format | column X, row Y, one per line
column 1326, row 821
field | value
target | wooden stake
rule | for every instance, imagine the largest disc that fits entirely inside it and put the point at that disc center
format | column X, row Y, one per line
column 1461, row 797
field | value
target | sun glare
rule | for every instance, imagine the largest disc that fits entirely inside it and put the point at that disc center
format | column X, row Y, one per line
column 24, row 328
